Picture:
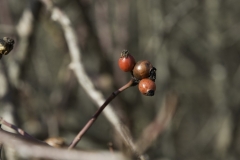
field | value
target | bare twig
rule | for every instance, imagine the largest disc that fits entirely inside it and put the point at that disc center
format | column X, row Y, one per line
column 99, row 111
column 18, row 130
column 83, row 79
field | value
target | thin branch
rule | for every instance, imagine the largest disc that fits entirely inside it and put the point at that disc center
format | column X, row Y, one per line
column 19, row 130
column 83, row 79
column 99, row 111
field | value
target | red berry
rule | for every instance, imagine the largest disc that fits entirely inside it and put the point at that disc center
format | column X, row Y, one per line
column 142, row 69
column 126, row 62
column 147, row 87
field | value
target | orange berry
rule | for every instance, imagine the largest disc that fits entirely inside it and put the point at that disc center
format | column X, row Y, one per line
column 147, row 87
column 126, row 62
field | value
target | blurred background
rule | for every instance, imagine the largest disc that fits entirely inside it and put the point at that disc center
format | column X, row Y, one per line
column 194, row 44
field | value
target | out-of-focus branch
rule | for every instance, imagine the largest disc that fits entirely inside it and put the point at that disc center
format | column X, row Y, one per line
column 30, row 149
column 10, row 68
column 99, row 111
column 161, row 122
column 77, row 67
column 18, row 130
column 24, row 30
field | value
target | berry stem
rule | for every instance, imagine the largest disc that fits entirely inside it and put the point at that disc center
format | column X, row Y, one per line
column 98, row 112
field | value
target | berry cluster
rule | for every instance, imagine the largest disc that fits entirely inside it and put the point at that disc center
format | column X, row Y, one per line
column 143, row 72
